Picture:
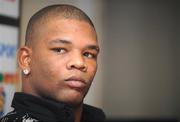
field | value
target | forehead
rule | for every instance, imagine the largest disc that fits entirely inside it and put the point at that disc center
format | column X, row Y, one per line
column 67, row 29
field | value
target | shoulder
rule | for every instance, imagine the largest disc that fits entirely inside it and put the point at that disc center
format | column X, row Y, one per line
column 15, row 116
column 93, row 113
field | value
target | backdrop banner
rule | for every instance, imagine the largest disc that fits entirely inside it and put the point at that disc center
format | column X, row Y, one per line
column 9, row 8
column 9, row 37
column 8, row 47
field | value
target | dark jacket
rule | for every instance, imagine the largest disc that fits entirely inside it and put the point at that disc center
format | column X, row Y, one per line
column 35, row 109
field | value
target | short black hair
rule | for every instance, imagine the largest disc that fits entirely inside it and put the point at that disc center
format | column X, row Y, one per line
column 62, row 10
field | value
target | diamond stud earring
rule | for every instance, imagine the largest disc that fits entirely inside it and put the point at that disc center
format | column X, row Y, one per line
column 26, row 71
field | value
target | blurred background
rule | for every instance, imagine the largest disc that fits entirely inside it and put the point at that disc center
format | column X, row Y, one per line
column 139, row 64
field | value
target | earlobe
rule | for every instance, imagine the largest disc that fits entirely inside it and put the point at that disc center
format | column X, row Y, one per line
column 24, row 58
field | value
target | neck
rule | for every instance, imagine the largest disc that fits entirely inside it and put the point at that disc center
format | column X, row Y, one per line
column 78, row 113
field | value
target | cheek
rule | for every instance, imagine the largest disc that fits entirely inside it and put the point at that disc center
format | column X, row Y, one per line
column 49, row 75
column 92, row 68
column 47, row 67
column 53, row 69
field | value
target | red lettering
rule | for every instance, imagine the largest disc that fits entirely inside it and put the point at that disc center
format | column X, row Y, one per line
column 11, row 1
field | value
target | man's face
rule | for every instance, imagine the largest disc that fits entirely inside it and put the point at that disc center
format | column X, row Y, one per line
column 64, row 60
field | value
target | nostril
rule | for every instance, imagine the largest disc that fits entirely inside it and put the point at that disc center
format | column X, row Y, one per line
column 77, row 61
column 78, row 66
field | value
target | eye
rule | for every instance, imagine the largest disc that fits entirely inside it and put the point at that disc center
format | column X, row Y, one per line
column 89, row 55
column 59, row 50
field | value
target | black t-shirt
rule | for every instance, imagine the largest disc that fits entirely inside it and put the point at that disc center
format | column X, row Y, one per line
column 28, row 108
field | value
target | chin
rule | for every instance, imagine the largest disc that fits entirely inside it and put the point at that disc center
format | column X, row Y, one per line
column 72, row 99
column 74, row 103
column 75, row 100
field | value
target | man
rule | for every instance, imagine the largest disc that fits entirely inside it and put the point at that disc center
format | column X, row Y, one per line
column 59, row 61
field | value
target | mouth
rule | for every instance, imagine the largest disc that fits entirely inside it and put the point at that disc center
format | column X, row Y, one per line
column 75, row 82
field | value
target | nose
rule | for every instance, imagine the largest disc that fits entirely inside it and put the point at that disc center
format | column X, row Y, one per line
column 76, row 61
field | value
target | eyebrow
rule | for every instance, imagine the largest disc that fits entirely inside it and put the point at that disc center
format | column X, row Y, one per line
column 91, row 47
column 60, row 41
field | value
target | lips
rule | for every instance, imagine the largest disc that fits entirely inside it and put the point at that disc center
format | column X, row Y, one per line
column 75, row 82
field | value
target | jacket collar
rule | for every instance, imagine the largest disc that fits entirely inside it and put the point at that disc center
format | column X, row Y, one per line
column 49, row 110
column 42, row 109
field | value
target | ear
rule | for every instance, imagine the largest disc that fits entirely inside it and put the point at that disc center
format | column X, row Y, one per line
column 24, row 57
